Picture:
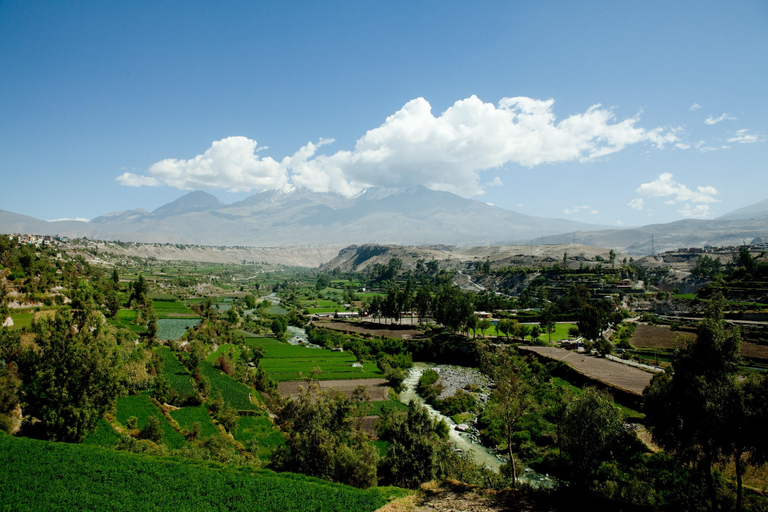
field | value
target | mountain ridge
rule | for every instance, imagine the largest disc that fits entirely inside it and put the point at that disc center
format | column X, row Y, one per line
column 417, row 216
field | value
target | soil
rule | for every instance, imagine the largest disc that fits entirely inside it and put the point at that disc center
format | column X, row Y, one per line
column 375, row 329
column 654, row 336
column 614, row 374
column 457, row 496
column 376, row 388
column 657, row 336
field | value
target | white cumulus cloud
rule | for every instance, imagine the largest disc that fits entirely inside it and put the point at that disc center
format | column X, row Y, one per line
column 715, row 120
column 636, row 204
column 229, row 163
column 665, row 186
column 694, row 107
column 415, row 147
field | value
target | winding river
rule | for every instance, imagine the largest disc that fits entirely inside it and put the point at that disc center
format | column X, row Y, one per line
column 480, row 454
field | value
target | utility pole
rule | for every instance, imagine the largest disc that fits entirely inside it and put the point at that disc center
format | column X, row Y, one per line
column 653, row 247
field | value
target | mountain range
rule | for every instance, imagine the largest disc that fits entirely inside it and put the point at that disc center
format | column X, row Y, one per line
column 418, row 216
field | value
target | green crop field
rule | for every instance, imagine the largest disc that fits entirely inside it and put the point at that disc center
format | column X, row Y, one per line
column 174, row 328
column 43, row 476
column 284, row 363
column 104, row 435
column 177, row 375
column 261, row 429
column 186, row 417
column 234, row 393
column 22, row 320
column 142, row 407
column 169, row 309
column 253, row 341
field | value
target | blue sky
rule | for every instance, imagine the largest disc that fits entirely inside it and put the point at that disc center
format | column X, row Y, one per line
column 108, row 106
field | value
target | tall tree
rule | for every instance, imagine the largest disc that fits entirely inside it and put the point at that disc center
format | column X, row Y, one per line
column 691, row 412
column 512, row 397
column 71, row 380
column 591, row 432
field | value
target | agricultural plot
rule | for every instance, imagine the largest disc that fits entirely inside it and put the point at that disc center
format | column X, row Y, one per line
column 254, row 341
column 227, row 349
column 172, row 309
column 286, row 362
column 142, row 408
column 174, row 328
column 22, row 320
column 99, row 479
column 234, row 393
column 259, row 428
column 178, row 376
column 186, row 417
column 104, row 435
column 126, row 318
column 614, row 374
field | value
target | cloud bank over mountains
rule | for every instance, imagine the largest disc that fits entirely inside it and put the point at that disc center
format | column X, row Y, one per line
column 414, row 147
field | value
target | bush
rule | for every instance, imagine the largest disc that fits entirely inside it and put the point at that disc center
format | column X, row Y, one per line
column 152, row 431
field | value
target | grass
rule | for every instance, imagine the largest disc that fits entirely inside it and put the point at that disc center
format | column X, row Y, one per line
column 104, row 435
column 284, row 362
column 22, row 320
column 43, row 476
column 142, row 408
column 235, row 393
column 186, row 417
column 262, row 430
column 560, row 332
column 625, row 411
column 252, row 341
column 167, row 309
column 225, row 349
column 312, row 311
column 177, row 375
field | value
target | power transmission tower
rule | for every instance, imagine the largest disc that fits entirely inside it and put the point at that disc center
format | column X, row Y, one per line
column 653, row 247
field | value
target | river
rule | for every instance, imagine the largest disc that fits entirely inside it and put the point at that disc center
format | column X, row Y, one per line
column 480, row 454
column 460, row 440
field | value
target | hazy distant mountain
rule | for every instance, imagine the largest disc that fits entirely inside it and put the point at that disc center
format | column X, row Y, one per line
column 300, row 217
column 197, row 201
column 752, row 211
column 656, row 238
column 417, row 216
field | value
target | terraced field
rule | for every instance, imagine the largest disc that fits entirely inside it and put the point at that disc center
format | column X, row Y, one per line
column 97, row 479
column 235, row 393
column 177, row 375
column 286, row 362
column 142, row 408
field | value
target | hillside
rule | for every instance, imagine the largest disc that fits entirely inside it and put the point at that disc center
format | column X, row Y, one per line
column 42, row 475
column 361, row 257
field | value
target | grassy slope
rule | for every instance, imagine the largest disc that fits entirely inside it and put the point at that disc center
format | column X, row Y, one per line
column 41, row 476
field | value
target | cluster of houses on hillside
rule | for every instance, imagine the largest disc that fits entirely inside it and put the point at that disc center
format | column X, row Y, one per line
column 43, row 240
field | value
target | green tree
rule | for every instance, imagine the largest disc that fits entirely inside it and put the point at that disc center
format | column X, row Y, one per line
column 324, row 437
column 484, row 324
column 591, row 433
column 690, row 413
column 414, row 446
column 71, row 380
column 512, row 397
column 547, row 322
